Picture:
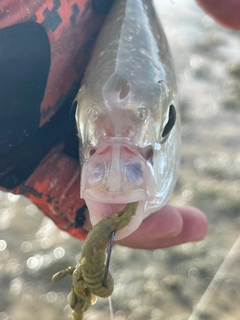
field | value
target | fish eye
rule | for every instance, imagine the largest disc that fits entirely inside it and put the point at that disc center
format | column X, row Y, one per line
column 171, row 121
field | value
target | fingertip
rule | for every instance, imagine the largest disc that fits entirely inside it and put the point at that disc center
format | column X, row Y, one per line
column 194, row 228
column 164, row 223
column 168, row 227
column 195, row 224
column 225, row 12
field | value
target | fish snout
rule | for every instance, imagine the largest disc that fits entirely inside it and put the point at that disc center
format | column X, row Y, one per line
column 115, row 175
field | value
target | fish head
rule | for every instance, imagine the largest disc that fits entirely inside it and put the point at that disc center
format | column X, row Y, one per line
column 128, row 117
column 121, row 136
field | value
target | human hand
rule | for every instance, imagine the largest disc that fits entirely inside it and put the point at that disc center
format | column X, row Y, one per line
column 168, row 227
column 225, row 12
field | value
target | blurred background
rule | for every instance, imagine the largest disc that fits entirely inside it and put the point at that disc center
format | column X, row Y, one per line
column 163, row 284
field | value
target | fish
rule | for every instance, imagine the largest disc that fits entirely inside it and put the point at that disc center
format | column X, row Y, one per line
column 128, row 117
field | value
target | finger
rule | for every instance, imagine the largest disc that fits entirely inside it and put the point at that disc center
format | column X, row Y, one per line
column 157, row 231
column 226, row 12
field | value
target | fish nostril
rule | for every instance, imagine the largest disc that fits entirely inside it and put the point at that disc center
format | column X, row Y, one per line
column 147, row 153
column 116, row 88
column 142, row 113
column 134, row 173
column 92, row 151
column 124, row 90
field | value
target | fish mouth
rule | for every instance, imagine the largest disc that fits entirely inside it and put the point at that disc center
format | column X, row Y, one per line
column 98, row 193
column 99, row 210
column 115, row 175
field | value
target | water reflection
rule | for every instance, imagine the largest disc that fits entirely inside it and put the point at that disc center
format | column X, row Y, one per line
column 31, row 209
column 26, row 246
column 15, row 287
column 13, row 197
column 59, row 252
column 3, row 245
column 6, row 215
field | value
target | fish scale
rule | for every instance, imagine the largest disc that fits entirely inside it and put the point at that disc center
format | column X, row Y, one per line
column 127, row 104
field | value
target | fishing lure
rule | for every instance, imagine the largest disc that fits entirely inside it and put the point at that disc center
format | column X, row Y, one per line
column 128, row 117
column 88, row 274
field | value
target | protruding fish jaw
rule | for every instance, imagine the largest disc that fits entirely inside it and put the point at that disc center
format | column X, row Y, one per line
column 113, row 176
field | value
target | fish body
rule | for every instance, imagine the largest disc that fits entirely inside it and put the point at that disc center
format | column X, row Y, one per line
column 128, row 117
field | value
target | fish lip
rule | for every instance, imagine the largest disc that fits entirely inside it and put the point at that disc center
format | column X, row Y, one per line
column 96, row 215
column 102, row 203
column 98, row 195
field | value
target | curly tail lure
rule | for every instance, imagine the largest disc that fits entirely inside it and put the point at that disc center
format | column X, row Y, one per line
column 88, row 274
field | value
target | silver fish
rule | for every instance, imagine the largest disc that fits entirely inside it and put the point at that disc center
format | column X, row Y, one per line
column 128, row 116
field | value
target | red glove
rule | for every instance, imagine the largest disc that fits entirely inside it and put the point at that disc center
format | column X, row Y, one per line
column 45, row 46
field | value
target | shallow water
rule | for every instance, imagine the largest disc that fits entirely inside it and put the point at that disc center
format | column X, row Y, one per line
column 163, row 284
